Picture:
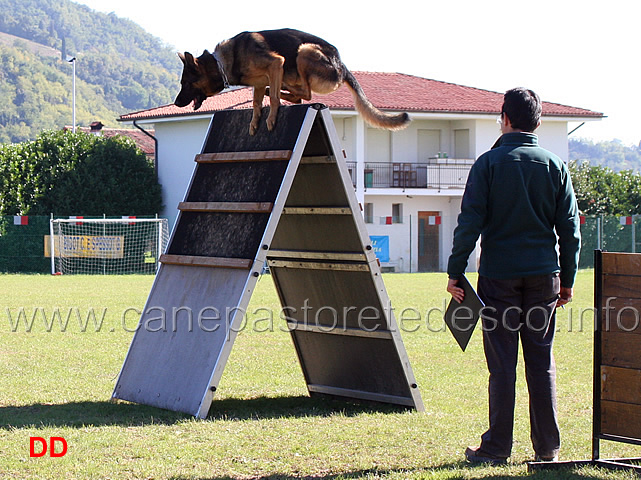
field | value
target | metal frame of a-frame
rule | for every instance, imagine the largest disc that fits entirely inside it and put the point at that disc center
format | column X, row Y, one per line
column 283, row 197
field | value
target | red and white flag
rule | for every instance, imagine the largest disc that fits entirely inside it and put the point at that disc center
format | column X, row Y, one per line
column 20, row 220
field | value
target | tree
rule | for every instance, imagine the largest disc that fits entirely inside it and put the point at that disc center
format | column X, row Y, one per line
column 68, row 173
column 601, row 191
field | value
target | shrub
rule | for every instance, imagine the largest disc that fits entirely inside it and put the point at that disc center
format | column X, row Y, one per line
column 65, row 173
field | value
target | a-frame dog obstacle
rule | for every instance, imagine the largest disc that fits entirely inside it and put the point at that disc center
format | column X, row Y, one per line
column 284, row 197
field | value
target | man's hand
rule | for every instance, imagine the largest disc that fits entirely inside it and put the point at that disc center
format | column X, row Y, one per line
column 565, row 296
column 457, row 292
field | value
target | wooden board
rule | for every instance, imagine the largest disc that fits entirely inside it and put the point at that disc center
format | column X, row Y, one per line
column 266, row 156
column 621, row 263
column 238, row 207
column 621, row 384
column 621, row 350
column 194, row 261
column 621, row 419
column 621, row 315
column 621, row 286
column 617, row 344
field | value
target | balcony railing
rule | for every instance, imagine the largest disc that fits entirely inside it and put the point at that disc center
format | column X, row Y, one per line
column 438, row 173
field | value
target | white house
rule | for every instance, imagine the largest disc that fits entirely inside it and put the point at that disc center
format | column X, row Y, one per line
column 410, row 182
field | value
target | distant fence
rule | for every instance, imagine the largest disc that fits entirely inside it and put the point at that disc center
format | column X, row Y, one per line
column 611, row 234
column 407, row 245
column 22, row 240
column 23, row 248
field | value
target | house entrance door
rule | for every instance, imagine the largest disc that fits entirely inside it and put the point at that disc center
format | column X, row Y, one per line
column 429, row 227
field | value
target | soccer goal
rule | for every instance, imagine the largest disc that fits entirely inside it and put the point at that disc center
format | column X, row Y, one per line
column 106, row 246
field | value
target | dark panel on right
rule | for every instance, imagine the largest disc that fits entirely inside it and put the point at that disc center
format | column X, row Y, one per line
column 356, row 363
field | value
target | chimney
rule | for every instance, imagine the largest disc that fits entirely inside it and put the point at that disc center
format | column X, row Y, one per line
column 96, row 128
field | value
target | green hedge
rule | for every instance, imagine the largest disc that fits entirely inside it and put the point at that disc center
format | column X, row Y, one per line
column 65, row 173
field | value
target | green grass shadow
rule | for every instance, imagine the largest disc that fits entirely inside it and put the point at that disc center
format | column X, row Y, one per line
column 451, row 471
column 107, row 413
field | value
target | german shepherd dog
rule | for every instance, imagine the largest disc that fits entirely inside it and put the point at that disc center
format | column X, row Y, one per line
column 284, row 63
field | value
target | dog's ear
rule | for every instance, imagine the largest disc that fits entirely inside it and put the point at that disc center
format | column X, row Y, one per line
column 187, row 58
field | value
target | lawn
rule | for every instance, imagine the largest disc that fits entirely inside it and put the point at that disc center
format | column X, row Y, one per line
column 63, row 341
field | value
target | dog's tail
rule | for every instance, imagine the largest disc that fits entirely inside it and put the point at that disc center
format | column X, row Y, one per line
column 370, row 113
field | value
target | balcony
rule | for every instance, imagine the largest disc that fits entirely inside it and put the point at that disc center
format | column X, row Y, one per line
column 437, row 173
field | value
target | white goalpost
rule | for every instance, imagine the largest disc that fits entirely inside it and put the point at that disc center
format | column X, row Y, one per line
column 106, row 246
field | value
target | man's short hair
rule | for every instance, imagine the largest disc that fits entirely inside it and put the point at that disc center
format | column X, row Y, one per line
column 523, row 108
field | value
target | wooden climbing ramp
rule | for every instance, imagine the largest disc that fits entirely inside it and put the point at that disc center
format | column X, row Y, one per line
column 284, row 198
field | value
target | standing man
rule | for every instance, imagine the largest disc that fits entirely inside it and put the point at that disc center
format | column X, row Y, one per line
column 519, row 198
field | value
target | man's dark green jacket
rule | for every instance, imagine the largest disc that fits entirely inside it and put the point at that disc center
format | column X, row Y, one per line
column 518, row 197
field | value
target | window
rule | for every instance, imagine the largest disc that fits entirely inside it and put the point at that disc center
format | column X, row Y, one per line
column 397, row 213
column 369, row 213
column 462, row 143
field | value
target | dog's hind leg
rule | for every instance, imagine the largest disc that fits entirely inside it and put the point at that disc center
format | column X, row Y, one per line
column 275, row 73
column 259, row 94
column 316, row 73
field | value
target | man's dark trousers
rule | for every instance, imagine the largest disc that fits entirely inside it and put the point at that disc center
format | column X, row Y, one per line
column 525, row 308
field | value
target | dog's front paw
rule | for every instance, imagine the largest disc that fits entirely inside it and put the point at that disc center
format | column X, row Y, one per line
column 253, row 128
column 271, row 123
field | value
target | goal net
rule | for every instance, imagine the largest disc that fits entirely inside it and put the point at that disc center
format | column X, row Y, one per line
column 105, row 246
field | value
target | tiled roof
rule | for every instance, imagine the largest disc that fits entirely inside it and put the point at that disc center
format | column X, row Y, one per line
column 144, row 142
column 387, row 91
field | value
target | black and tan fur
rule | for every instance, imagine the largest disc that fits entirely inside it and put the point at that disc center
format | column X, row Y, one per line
column 286, row 64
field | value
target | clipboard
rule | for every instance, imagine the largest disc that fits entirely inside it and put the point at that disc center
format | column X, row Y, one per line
column 461, row 318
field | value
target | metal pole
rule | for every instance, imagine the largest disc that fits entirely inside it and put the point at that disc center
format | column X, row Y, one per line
column 72, row 60
column 74, row 96
column 159, row 248
column 52, row 246
column 634, row 234
column 410, row 243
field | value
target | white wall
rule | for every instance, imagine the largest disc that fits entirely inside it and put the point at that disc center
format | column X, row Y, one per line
column 178, row 144
column 345, row 128
column 404, row 236
column 487, row 132
column 553, row 136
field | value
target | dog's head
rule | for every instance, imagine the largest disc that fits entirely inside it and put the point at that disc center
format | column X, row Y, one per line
column 200, row 79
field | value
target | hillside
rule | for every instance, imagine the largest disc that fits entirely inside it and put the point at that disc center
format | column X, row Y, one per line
column 119, row 67
column 612, row 154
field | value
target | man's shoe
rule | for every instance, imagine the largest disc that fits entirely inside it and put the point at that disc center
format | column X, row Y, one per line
column 476, row 455
column 545, row 458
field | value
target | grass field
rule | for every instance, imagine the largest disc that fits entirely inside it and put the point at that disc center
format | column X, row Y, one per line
column 57, row 373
